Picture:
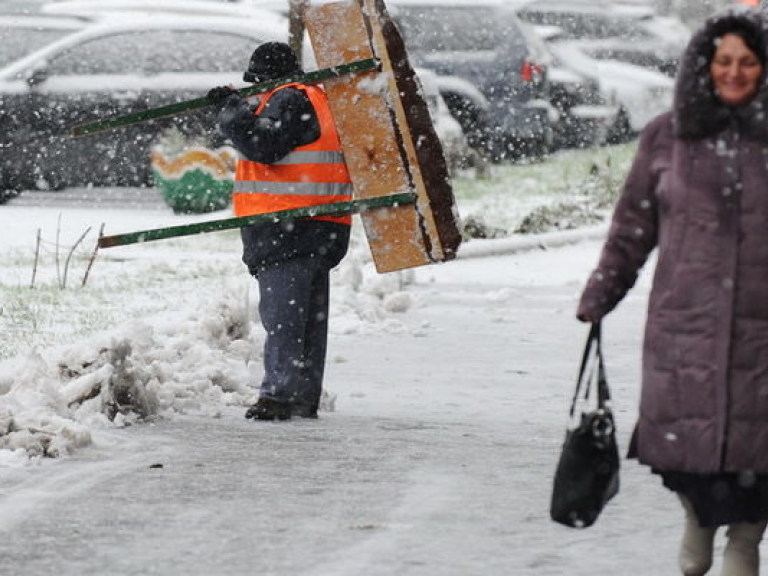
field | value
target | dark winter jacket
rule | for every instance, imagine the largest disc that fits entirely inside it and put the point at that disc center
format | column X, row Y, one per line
column 286, row 122
column 698, row 191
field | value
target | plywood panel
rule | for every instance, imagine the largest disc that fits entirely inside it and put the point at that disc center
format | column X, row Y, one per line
column 375, row 128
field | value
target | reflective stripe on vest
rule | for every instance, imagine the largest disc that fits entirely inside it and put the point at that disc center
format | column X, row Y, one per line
column 307, row 176
column 311, row 157
column 296, row 188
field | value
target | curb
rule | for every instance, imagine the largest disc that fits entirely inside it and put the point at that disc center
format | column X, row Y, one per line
column 528, row 242
column 116, row 197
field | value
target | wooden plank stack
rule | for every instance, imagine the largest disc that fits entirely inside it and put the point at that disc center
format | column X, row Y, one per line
column 388, row 138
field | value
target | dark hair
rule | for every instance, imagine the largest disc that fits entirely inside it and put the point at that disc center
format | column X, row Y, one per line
column 751, row 35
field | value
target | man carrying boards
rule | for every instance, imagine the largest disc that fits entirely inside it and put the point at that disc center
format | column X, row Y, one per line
column 363, row 142
column 290, row 158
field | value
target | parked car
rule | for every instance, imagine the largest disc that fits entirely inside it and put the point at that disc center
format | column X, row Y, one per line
column 21, row 34
column 640, row 93
column 645, row 54
column 22, row 31
column 483, row 42
column 94, row 8
column 115, row 66
column 585, row 116
column 244, row 9
column 628, row 33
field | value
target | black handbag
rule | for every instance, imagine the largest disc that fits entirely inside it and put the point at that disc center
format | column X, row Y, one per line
column 587, row 474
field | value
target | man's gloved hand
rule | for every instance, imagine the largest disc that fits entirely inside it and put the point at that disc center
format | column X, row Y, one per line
column 219, row 94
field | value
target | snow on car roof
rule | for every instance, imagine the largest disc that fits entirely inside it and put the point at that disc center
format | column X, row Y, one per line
column 447, row 3
column 272, row 27
column 591, row 6
column 154, row 7
column 572, row 53
column 42, row 21
column 130, row 20
column 277, row 5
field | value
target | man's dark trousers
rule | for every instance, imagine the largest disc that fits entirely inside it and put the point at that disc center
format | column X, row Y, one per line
column 294, row 299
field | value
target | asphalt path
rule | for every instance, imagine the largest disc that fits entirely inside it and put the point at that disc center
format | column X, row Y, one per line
column 437, row 460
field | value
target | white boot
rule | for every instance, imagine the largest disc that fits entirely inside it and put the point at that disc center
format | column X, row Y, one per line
column 695, row 558
column 742, row 556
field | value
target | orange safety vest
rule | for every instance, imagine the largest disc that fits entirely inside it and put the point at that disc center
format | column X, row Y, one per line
column 308, row 175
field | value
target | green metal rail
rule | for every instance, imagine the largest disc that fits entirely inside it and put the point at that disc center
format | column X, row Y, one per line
column 189, row 105
column 335, row 208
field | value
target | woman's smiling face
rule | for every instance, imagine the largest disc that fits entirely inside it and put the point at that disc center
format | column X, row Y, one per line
column 735, row 70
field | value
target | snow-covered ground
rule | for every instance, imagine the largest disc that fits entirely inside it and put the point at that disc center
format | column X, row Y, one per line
column 448, row 389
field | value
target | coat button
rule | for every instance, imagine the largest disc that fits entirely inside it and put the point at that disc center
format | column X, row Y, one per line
column 728, row 283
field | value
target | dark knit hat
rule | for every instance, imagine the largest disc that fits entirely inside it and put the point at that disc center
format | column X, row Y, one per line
column 271, row 60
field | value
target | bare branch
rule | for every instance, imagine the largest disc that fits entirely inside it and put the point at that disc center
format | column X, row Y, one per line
column 69, row 255
column 58, row 235
column 37, row 258
column 93, row 257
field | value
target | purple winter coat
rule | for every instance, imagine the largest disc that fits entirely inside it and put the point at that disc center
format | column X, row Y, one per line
column 697, row 191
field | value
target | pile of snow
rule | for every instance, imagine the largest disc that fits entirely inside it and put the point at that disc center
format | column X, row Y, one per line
column 198, row 360
column 139, row 370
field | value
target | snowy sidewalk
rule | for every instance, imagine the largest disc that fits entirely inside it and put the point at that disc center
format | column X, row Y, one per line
column 437, row 460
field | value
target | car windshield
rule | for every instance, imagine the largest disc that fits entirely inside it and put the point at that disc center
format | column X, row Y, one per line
column 152, row 52
column 17, row 42
column 445, row 28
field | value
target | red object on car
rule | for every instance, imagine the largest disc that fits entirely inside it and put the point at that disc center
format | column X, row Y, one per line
column 531, row 72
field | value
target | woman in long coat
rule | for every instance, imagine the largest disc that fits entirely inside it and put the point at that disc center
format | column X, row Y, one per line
column 698, row 192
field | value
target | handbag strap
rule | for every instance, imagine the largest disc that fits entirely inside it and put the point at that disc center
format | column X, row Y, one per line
column 592, row 349
column 603, row 392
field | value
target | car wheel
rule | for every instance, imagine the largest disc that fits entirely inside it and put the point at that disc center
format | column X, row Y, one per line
column 5, row 184
column 6, row 195
column 51, row 181
column 13, row 184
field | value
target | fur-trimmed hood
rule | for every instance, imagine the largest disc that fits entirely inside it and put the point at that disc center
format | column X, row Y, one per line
column 697, row 111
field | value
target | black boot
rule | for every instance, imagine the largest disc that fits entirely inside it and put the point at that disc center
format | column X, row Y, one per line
column 268, row 409
column 305, row 410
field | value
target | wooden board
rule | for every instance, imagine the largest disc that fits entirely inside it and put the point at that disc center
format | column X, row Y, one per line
column 388, row 138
